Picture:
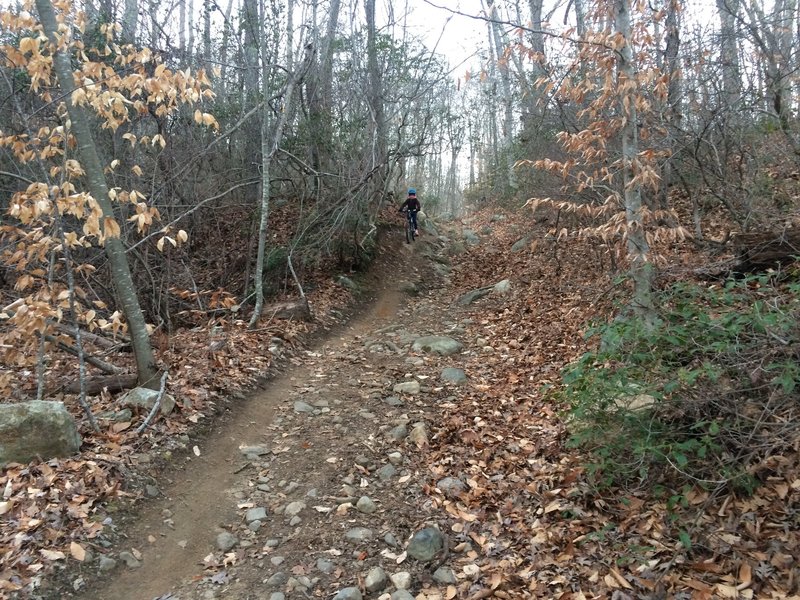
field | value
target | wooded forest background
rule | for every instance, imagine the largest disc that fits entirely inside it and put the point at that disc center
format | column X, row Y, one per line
column 219, row 121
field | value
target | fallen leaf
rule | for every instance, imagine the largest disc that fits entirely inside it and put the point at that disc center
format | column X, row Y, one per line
column 77, row 551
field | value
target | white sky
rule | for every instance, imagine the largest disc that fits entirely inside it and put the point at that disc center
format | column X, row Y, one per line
column 458, row 37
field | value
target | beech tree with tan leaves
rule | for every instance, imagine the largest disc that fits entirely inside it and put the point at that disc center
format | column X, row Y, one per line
column 614, row 159
column 104, row 87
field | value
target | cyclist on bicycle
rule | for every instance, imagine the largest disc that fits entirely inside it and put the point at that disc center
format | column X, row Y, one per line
column 413, row 206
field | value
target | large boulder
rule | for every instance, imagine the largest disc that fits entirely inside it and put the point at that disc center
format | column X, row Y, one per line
column 37, row 428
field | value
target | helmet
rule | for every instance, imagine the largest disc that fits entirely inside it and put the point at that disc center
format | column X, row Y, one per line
column 412, row 192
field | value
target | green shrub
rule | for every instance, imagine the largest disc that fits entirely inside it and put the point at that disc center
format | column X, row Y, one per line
column 702, row 397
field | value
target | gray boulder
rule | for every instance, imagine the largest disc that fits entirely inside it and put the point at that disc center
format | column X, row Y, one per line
column 348, row 283
column 437, row 344
column 145, row 398
column 38, row 428
column 471, row 237
column 521, row 244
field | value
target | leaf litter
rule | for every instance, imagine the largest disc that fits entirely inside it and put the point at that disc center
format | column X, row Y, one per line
column 528, row 523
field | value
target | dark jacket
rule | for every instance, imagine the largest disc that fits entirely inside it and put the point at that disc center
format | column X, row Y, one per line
column 411, row 203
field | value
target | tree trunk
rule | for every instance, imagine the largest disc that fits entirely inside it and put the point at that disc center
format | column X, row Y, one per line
column 87, row 153
column 207, row 8
column 641, row 269
column 496, row 35
column 671, row 68
column 129, row 19
column 378, row 127
column 251, row 91
column 729, row 55
column 269, row 146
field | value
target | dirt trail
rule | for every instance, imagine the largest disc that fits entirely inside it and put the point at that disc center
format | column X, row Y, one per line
column 317, row 458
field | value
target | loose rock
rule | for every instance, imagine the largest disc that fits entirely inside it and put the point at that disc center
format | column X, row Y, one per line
column 402, row 595
column 325, row 566
column 407, row 387
column 258, row 514
column 437, row 344
column 398, row 433
column 502, row 287
column 348, row 593
column 444, row 575
column 451, row 486
column 146, row 398
column 226, row 540
column 425, row 544
column 130, row 560
column 376, row 580
column 393, row 401
column 366, row 505
column 453, row 375
column 419, row 434
column 359, row 534
column 294, row 508
column 401, row 580
column 277, row 580
column 303, row 407
column 386, row 472
column 105, row 563
column 473, row 295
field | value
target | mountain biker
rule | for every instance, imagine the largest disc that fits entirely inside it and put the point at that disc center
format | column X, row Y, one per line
column 413, row 206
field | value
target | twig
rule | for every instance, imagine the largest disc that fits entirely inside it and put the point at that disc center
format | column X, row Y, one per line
column 156, row 406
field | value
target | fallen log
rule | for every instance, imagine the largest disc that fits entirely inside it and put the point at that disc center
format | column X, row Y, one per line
column 764, row 250
column 92, row 360
column 296, row 310
column 97, row 340
column 95, row 385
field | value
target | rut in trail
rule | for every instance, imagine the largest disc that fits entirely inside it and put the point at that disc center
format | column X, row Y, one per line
column 329, row 452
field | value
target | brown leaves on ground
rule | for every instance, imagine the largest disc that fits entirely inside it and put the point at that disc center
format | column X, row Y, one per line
column 51, row 513
column 539, row 528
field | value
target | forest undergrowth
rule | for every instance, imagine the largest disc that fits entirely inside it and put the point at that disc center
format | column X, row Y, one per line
column 636, row 464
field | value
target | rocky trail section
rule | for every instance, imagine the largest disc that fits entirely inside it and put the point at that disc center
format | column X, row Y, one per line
column 317, row 487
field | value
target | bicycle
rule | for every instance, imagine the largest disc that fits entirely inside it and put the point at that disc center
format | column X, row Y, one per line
column 411, row 231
